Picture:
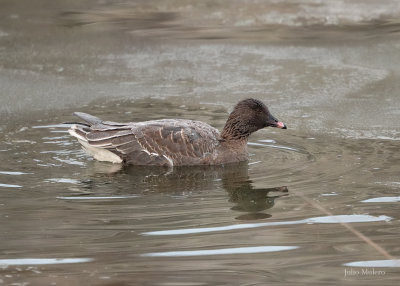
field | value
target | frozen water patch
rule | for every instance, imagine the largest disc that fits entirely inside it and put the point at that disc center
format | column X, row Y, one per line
column 13, row 173
column 322, row 219
column 222, row 251
column 42, row 261
column 9, row 186
column 87, row 198
column 375, row 263
column 382, row 200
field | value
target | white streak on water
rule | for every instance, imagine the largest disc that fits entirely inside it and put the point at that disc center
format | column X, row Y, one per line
column 328, row 194
column 55, row 138
column 256, row 162
column 382, row 200
column 58, row 131
column 10, row 186
column 375, row 263
column 53, row 126
column 97, row 198
column 222, row 251
column 347, row 219
column 69, row 161
column 42, row 261
column 272, row 146
column 267, row 141
column 63, row 180
column 13, row 173
column 322, row 219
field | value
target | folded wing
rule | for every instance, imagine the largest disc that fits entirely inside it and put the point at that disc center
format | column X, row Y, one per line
column 159, row 142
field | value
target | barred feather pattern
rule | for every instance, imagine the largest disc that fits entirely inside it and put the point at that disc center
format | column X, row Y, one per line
column 169, row 142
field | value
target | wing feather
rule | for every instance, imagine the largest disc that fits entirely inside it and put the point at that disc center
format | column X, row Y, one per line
column 157, row 142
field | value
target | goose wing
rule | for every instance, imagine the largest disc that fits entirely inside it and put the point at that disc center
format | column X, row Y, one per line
column 158, row 142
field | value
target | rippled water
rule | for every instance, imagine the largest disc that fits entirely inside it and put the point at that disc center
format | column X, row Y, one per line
column 67, row 218
column 316, row 203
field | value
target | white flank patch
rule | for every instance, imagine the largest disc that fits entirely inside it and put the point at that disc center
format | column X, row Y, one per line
column 100, row 154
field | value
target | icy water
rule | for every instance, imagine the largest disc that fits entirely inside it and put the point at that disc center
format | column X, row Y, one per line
column 259, row 221
column 315, row 204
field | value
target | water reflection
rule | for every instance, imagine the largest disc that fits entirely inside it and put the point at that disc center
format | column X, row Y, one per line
column 247, row 198
column 181, row 181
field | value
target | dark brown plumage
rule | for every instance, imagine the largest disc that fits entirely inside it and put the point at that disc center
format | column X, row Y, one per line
column 174, row 142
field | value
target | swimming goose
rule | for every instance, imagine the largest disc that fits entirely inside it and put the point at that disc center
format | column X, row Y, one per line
column 174, row 142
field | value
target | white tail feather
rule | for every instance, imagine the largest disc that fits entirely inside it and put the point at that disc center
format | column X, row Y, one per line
column 76, row 135
column 99, row 154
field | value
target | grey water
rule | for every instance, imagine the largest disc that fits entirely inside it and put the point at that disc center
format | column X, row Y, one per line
column 316, row 203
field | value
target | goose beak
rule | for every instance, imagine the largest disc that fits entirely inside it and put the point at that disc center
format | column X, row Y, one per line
column 280, row 125
column 272, row 121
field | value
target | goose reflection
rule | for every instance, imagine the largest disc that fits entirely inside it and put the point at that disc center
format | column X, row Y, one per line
column 181, row 181
column 247, row 198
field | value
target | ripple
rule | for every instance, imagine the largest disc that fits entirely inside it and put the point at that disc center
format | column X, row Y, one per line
column 329, row 194
column 347, row 219
column 322, row 219
column 221, row 251
column 53, row 126
column 273, row 146
column 69, row 161
column 59, row 131
column 55, row 138
column 256, row 162
column 13, row 173
column 42, row 261
column 77, row 198
column 382, row 200
column 59, row 142
column 63, row 180
column 10, row 186
column 375, row 263
column 267, row 141
column 59, row 152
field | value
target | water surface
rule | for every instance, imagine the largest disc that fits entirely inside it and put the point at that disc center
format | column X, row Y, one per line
column 151, row 224
column 314, row 203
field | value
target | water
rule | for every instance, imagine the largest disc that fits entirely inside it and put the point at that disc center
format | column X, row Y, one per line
column 121, row 223
column 316, row 203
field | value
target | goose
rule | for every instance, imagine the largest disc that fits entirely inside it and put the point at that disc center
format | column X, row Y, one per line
column 174, row 142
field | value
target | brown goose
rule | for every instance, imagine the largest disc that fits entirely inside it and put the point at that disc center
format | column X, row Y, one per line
column 174, row 142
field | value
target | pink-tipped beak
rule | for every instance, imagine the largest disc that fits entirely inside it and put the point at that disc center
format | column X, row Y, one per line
column 273, row 122
column 281, row 125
